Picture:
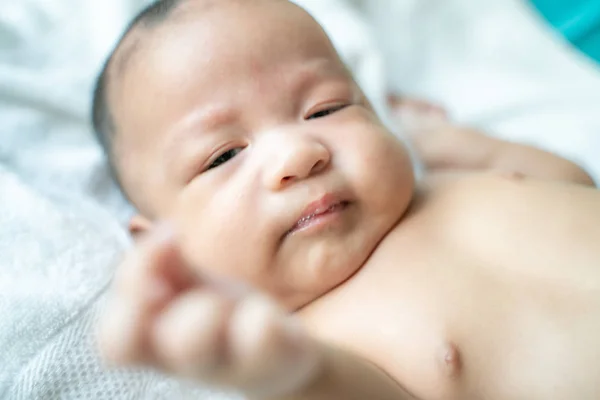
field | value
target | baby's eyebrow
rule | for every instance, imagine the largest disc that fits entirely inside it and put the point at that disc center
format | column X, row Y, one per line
column 314, row 72
column 176, row 144
column 206, row 119
column 216, row 116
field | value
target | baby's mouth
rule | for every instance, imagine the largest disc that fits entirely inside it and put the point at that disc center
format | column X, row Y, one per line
column 318, row 213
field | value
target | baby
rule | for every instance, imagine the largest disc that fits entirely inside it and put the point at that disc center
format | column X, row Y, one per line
column 252, row 156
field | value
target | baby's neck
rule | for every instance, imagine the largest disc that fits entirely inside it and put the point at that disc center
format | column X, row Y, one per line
column 318, row 303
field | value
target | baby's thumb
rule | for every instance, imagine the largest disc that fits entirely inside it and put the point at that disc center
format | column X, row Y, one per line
column 275, row 355
column 151, row 273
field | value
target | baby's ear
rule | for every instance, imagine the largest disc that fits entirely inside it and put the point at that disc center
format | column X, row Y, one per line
column 138, row 226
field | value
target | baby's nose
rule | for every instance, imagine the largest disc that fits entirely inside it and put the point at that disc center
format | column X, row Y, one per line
column 295, row 157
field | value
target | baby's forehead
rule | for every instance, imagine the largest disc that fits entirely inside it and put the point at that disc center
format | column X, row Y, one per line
column 198, row 45
column 188, row 61
column 159, row 24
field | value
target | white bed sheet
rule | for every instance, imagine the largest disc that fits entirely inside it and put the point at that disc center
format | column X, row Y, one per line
column 496, row 65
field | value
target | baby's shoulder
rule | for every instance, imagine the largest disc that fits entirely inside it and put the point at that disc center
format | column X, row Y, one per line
column 476, row 192
column 452, row 197
column 488, row 204
column 450, row 185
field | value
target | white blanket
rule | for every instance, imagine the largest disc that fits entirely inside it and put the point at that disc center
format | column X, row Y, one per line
column 496, row 65
column 492, row 63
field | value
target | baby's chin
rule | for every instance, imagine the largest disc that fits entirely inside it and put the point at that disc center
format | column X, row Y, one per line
column 315, row 274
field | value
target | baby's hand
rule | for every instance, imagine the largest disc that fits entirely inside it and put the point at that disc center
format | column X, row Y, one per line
column 444, row 147
column 163, row 315
column 440, row 144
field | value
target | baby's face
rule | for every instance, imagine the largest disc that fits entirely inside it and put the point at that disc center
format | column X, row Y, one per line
column 242, row 126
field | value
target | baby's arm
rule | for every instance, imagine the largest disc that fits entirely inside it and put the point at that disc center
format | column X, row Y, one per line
column 451, row 148
column 162, row 315
column 445, row 147
column 345, row 376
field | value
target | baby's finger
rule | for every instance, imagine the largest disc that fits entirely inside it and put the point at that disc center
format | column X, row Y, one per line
column 271, row 352
column 188, row 335
column 248, row 345
column 153, row 266
column 457, row 148
column 120, row 334
column 399, row 104
column 416, row 117
column 148, row 277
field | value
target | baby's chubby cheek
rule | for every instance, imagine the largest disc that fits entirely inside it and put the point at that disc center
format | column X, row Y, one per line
column 218, row 247
column 198, row 237
column 384, row 172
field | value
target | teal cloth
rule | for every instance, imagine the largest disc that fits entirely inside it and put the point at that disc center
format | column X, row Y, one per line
column 577, row 20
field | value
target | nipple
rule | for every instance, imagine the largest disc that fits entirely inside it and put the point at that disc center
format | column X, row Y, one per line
column 450, row 360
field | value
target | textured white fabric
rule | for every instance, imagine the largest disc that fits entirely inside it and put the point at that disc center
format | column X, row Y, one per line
column 495, row 65
column 57, row 257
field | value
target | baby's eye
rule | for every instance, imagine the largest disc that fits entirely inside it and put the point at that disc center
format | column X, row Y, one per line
column 223, row 158
column 325, row 112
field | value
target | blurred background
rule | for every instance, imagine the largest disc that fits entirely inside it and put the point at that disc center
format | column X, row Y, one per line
column 523, row 70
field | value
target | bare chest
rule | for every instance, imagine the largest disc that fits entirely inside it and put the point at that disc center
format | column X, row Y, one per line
column 448, row 323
